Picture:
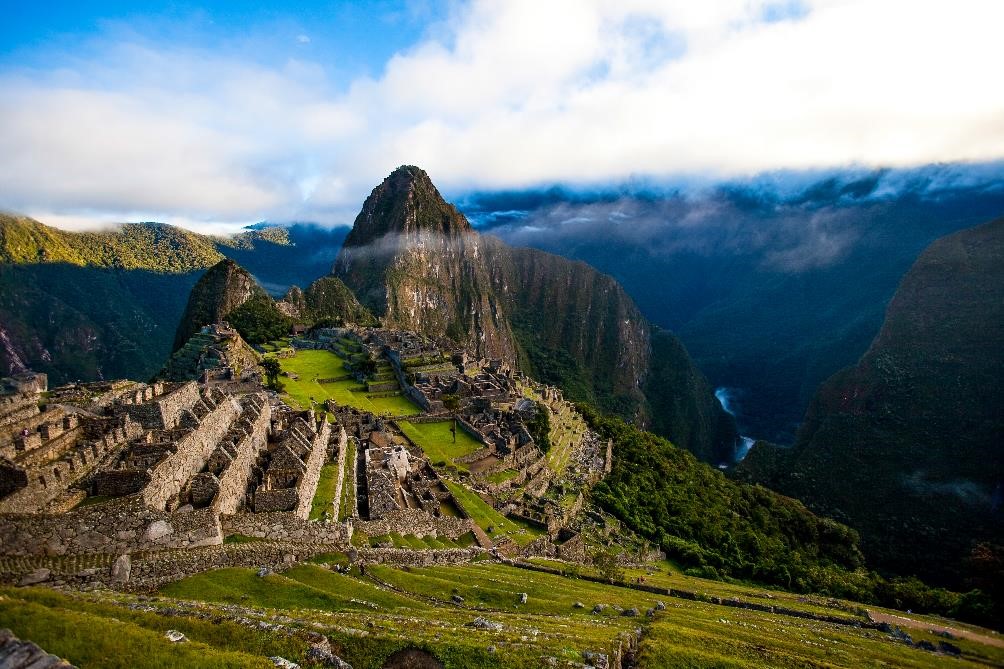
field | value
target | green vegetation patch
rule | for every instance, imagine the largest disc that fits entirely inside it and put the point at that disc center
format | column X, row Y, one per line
column 325, row 494
column 436, row 439
column 313, row 364
column 90, row 634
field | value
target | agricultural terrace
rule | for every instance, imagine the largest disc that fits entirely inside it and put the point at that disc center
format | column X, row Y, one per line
column 324, row 497
column 562, row 618
column 567, row 429
column 308, row 367
column 488, row 519
column 436, row 440
column 223, row 612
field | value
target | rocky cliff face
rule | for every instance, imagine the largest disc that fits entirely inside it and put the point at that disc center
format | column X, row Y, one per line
column 223, row 288
column 413, row 260
column 908, row 445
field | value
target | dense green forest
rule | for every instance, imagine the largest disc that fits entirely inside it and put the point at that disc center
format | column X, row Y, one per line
column 718, row 528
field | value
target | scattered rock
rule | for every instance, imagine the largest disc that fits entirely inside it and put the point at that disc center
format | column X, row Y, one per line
column 174, row 636
column 579, row 605
column 457, row 599
column 40, row 575
column 949, row 648
column 660, row 605
column 122, row 569
column 263, row 572
column 924, row 644
column 324, row 657
column 158, row 529
column 650, row 613
column 599, row 608
column 522, row 598
column 485, row 624
column 283, row 663
column 631, row 613
column 491, row 649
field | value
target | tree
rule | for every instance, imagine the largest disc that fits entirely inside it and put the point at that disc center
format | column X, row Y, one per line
column 607, row 564
column 367, row 366
column 452, row 404
column 539, row 427
column 272, row 369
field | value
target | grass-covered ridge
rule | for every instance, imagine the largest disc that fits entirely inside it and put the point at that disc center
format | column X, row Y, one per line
column 234, row 618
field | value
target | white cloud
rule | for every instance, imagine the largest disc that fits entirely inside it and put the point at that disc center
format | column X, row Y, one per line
column 512, row 93
column 303, row 39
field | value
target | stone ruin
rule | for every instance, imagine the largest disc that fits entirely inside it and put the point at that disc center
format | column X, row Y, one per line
column 122, row 467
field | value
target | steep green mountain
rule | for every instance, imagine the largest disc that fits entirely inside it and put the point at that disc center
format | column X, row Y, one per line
column 91, row 305
column 326, row 299
column 88, row 323
column 906, row 446
column 223, row 288
column 683, row 405
column 228, row 292
column 416, row 263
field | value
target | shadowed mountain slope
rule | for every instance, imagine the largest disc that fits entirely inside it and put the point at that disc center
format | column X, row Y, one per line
column 906, row 446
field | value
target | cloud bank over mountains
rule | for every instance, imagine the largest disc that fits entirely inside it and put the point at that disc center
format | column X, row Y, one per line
column 501, row 95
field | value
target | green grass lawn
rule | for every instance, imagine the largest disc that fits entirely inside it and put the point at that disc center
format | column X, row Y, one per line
column 485, row 516
column 502, row 476
column 311, row 365
column 325, row 493
column 105, row 636
column 437, row 440
column 367, row 618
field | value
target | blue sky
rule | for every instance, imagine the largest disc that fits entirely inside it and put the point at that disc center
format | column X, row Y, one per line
column 352, row 39
column 218, row 114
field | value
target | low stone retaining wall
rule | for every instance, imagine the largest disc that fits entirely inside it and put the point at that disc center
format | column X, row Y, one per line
column 416, row 522
column 418, row 558
column 279, row 526
column 121, row 526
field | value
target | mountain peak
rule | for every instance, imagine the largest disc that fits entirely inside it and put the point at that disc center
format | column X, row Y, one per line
column 406, row 203
column 224, row 287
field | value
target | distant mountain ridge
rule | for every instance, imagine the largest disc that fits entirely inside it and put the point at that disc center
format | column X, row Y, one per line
column 773, row 283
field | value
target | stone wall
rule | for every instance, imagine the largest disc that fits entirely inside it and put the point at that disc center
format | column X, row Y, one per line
column 193, row 449
column 234, row 479
column 42, row 485
column 163, row 412
column 278, row 526
column 343, row 444
column 120, row 526
column 416, row 522
column 307, row 486
column 17, row 407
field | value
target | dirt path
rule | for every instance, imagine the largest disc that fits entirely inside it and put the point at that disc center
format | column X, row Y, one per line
column 931, row 627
